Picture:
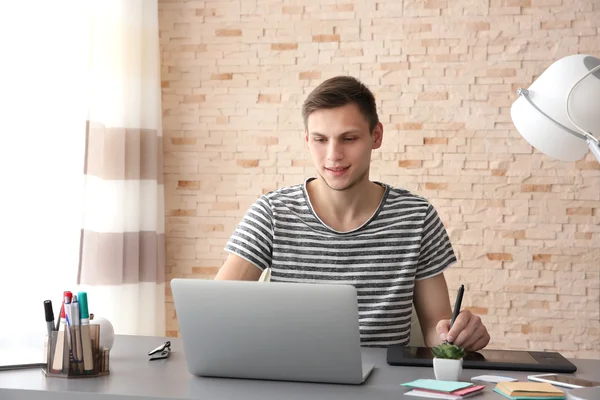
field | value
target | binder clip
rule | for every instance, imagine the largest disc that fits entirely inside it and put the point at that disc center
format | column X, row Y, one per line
column 161, row 351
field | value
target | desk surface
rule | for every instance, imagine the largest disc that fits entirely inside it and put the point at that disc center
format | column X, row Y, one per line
column 132, row 375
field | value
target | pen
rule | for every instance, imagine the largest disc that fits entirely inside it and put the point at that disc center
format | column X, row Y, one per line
column 457, row 305
column 69, row 330
column 60, row 313
column 49, row 317
column 77, row 350
column 69, row 315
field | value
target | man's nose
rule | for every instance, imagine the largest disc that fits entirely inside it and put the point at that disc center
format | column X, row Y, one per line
column 334, row 151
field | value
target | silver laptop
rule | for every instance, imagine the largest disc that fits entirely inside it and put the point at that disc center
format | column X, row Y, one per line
column 275, row 331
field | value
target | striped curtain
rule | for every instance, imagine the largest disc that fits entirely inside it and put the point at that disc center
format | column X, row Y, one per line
column 122, row 250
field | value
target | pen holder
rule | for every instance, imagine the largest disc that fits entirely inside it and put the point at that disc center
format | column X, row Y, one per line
column 76, row 353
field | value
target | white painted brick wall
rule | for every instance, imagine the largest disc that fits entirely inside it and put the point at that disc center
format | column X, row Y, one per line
column 526, row 228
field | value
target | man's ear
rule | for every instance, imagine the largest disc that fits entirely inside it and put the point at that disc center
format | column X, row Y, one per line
column 306, row 137
column 377, row 135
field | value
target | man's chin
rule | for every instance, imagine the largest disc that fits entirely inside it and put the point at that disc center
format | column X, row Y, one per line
column 338, row 185
column 343, row 184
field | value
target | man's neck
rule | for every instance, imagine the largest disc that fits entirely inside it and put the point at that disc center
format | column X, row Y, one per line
column 345, row 210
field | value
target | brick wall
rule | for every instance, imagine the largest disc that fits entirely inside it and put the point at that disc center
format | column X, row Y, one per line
column 525, row 227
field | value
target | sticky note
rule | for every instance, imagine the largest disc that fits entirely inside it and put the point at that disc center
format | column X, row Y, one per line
column 433, row 384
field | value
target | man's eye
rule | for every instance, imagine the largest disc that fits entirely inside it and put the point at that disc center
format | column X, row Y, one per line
column 319, row 140
column 349, row 139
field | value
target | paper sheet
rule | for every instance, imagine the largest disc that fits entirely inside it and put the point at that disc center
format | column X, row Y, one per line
column 493, row 378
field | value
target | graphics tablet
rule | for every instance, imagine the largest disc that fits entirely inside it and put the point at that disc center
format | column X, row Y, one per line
column 511, row 360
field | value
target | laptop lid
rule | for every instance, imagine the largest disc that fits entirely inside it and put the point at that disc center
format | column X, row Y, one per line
column 276, row 331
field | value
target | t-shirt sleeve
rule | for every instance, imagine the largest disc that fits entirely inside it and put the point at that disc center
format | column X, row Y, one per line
column 436, row 253
column 252, row 239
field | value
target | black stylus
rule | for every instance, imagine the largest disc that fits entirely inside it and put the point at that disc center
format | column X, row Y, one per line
column 459, row 297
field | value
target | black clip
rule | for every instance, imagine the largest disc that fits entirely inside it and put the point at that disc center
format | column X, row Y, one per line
column 161, row 351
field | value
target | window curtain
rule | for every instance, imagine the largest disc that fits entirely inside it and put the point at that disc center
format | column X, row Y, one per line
column 122, row 243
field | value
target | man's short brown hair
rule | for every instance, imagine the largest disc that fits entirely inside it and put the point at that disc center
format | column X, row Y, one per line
column 338, row 92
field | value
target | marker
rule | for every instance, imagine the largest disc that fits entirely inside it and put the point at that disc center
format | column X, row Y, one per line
column 49, row 317
column 86, row 340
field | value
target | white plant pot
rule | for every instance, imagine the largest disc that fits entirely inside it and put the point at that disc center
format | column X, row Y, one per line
column 447, row 370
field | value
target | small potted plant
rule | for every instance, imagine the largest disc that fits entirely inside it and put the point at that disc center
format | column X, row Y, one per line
column 447, row 361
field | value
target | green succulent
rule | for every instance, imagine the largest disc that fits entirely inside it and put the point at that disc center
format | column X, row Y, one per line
column 448, row 351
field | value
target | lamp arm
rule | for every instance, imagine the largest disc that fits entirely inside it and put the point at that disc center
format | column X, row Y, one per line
column 594, row 147
column 591, row 139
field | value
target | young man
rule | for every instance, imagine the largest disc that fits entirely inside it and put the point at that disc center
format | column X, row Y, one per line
column 340, row 227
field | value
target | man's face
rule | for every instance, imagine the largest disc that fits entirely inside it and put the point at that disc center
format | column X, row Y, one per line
column 340, row 145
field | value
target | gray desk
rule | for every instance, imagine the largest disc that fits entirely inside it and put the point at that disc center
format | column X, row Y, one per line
column 134, row 377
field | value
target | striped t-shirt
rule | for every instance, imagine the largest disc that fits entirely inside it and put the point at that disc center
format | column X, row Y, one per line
column 403, row 241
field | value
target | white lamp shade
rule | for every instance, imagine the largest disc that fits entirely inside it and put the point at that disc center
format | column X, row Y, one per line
column 549, row 93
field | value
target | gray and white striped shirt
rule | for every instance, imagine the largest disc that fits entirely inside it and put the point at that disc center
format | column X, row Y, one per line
column 403, row 241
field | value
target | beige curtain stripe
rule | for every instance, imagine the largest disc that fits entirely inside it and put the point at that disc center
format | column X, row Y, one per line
column 123, row 153
column 112, row 258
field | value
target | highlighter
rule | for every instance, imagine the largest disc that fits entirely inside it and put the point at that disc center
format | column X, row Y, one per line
column 86, row 340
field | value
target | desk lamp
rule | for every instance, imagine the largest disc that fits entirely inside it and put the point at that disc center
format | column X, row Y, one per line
column 556, row 115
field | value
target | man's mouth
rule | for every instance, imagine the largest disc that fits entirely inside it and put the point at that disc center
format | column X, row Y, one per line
column 337, row 171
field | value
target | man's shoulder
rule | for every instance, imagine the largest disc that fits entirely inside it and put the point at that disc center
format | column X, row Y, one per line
column 285, row 194
column 401, row 196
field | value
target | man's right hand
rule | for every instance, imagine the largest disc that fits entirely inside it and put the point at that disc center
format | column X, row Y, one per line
column 468, row 331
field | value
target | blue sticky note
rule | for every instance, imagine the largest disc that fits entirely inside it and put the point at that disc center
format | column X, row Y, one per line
column 434, row 384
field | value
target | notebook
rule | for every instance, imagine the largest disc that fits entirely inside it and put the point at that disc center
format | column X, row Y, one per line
column 529, row 390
